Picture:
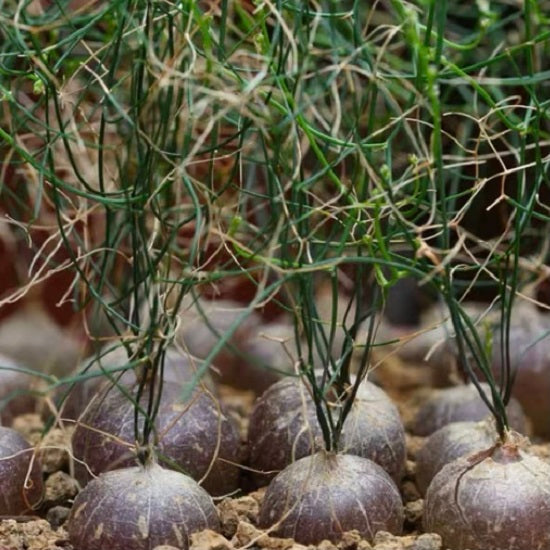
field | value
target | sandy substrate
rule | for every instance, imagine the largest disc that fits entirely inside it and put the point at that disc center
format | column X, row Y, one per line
column 46, row 530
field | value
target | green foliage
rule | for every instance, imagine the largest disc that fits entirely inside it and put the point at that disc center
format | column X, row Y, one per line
column 184, row 143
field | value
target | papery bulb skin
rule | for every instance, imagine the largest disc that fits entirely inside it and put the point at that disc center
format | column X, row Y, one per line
column 326, row 494
column 21, row 485
column 449, row 443
column 284, row 428
column 140, row 508
column 195, row 436
column 461, row 404
column 496, row 499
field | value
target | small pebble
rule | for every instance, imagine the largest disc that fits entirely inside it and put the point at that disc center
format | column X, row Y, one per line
column 59, row 488
column 232, row 510
column 386, row 541
column 30, row 426
column 351, row 540
column 414, row 444
column 413, row 513
column 410, row 469
column 54, row 450
column 57, row 516
column 209, row 540
column 427, row 541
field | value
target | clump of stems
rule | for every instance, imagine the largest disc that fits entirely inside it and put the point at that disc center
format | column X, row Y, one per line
column 168, row 148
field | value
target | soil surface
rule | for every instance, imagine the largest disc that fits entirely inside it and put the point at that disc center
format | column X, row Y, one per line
column 406, row 384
